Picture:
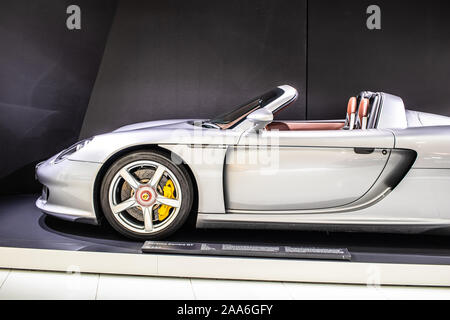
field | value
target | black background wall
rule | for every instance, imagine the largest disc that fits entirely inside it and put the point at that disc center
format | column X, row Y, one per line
column 46, row 77
column 196, row 59
column 408, row 57
column 153, row 60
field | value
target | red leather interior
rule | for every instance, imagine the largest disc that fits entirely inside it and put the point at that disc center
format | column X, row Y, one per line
column 300, row 126
column 363, row 108
column 351, row 107
column 319, row 126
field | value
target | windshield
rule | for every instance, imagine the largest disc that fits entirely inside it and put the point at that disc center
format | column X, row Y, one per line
column 231, row 119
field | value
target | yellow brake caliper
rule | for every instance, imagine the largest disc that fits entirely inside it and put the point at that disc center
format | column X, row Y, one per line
column 164, row 209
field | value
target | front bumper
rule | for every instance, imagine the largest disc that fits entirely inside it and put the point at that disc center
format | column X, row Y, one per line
column 68, row 191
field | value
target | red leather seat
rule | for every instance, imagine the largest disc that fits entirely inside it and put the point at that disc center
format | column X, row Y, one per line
column 351, row 113
column 363, row 113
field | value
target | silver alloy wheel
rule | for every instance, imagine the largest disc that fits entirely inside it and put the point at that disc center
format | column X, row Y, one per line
column 145, row 196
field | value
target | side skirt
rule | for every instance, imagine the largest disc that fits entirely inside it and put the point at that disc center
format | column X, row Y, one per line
column 252, row 221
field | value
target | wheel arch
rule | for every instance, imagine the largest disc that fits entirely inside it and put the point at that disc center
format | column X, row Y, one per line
column 148, row 147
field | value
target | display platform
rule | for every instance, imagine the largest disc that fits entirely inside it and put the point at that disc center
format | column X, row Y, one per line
column 246, row 250
column 31, row 240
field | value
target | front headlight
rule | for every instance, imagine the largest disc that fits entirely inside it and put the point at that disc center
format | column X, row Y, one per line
column 72, row 149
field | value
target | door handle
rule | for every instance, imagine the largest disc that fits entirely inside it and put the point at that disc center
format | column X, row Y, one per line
column 364, row 150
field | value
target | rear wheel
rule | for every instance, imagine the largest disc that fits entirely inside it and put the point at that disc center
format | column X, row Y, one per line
column 146, row 196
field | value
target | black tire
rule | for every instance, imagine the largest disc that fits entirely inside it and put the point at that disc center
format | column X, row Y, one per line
column 181, row 175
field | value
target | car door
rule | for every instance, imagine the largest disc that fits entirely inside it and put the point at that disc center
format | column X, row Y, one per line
column 303, row 170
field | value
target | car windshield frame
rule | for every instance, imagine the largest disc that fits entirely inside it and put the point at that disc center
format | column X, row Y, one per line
column 231, row 119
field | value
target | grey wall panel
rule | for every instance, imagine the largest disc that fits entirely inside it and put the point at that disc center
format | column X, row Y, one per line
column 408, row 57
column 195, row 59
column 46, row 76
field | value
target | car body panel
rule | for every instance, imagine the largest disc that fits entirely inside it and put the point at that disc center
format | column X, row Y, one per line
column 206, row 163
column 397, row 174
column 72, row 189
column 296, row 162
column 393, row 116
column 420, row 200
column 432, row 145
column 296, row 177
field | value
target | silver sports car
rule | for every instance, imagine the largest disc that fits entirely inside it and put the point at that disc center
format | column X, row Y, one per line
column 383, row 168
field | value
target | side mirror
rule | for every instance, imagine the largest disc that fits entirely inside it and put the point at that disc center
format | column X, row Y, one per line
column 260, row 118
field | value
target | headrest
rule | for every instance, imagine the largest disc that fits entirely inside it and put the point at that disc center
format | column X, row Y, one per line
column 363, row 108
column 351, row 108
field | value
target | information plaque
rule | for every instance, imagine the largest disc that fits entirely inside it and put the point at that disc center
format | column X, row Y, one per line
column 245, row 250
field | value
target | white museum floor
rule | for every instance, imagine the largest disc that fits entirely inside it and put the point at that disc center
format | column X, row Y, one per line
column 21, row 284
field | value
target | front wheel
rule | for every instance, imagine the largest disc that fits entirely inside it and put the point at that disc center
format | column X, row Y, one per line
column 145, row 196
